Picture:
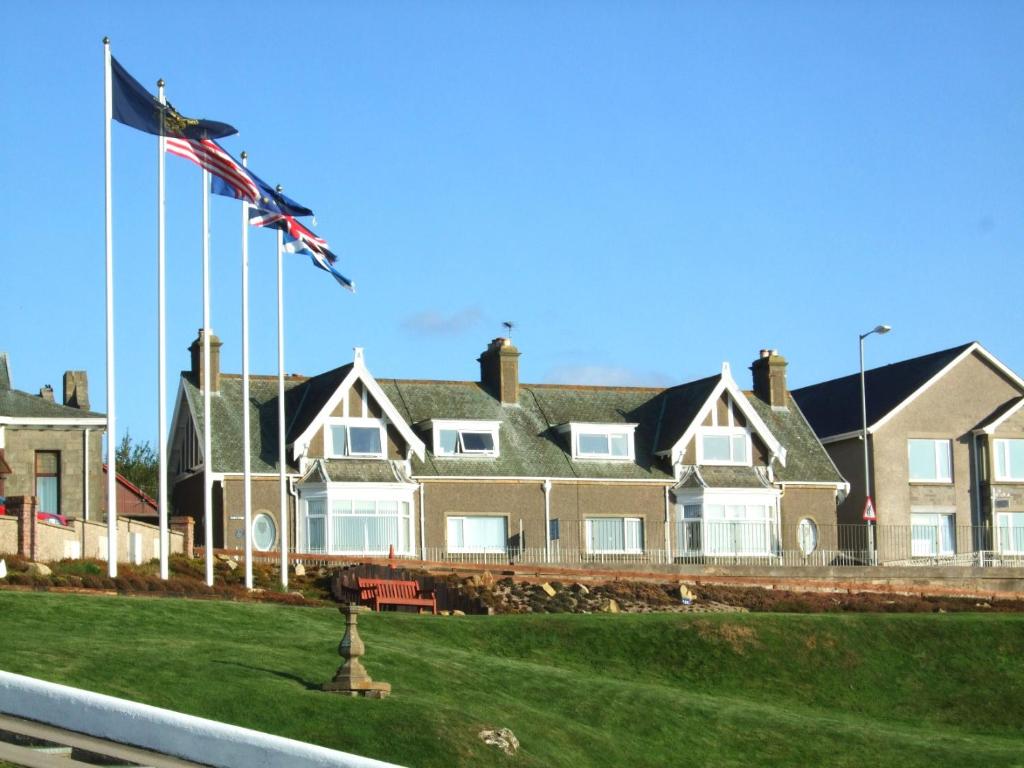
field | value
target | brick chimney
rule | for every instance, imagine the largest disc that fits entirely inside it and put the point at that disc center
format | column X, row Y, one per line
column 46, row 393
column 196, row 349
column 76, row 389
column 770, row 378
column 499, row 370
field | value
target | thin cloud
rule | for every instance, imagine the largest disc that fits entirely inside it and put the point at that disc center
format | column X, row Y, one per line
column 606, row 375
column 432, row 323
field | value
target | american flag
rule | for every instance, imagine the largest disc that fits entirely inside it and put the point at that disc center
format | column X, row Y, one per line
column 208, row 154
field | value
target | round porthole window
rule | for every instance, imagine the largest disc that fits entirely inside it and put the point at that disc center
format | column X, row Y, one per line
column 807, row 535
column 264, row 532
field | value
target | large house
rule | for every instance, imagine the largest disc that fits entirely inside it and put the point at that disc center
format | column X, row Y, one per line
column 51, row 450
column 946, row 452
column 499, row 469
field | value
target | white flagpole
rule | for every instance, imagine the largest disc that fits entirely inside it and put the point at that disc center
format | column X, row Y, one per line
column 207, row 426
column 108, row 111
column 283, row 505
column 247, row 491
column 162, row 342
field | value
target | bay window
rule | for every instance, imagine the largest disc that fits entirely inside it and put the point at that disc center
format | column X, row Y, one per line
column 345, row 520
column 721, row 524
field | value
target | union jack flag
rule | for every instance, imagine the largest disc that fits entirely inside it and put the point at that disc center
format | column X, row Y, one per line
column 294, row 229
column 321, row 260
column 208, row 154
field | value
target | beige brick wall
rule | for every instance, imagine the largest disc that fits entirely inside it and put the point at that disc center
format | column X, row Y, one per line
column 8, row 535
column 21, row 445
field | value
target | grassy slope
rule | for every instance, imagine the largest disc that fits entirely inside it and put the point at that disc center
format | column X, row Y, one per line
column 653, row 690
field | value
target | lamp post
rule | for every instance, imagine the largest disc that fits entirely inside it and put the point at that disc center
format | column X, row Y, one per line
column 880, row 330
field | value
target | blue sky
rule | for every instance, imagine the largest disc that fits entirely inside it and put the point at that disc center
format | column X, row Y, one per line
column 647, row 189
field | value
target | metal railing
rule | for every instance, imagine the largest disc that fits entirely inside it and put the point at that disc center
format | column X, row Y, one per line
column 739, row 543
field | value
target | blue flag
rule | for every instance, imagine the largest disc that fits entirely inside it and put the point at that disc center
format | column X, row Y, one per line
column 137, row 108
column 270, row 199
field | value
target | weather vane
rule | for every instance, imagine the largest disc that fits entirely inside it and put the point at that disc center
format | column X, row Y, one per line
column 509, row 325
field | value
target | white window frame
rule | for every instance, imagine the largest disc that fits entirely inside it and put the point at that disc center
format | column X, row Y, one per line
column 638, row 538
column 348, row 423
column 1004, row 547
column 702, row 498
column 949, row 513
column 729, row 432
column 273, row 522
column 576, row 429
column 328, row 493
column 474, row 550
column 936, row 441
column 493, row 428
column 1003, row 461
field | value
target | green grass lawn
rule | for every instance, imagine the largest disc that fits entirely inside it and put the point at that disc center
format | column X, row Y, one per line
column 601, row 690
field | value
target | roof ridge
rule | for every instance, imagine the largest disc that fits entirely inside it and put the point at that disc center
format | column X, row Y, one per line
column 856, row 374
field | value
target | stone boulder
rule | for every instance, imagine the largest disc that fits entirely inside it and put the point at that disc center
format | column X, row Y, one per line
column 502, row 738
column 38, row 569
column 300, row 569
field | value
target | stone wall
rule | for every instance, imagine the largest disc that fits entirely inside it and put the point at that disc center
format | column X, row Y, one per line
column 136, row 542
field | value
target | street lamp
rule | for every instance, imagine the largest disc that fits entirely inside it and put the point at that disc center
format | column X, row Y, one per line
column 880, row 330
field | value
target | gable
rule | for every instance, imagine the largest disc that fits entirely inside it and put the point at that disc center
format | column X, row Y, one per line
column 725, row 387
column 356, row 395
column 955, row 403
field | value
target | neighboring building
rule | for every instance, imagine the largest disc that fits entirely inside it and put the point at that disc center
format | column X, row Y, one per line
column 946, row 447
column 132, row 501
column 495, row 468
column 49, row 450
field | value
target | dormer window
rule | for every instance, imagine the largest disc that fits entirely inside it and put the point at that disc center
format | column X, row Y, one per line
column 355, row 439
column 601, row 442
column 465, row 438
column 724, row 445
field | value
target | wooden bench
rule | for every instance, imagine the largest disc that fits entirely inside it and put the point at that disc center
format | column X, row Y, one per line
column 378, row 592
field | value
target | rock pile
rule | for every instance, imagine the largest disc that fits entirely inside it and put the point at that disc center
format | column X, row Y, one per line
column 510, row 596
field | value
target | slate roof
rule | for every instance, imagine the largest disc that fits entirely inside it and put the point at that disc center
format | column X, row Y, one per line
column 833, row 407
column 530, row 442
column 17, row 404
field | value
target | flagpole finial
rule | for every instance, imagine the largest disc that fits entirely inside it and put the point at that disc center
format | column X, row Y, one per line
column 106, row 41
column 280, row 188
column 160, row 83
column 245, row 155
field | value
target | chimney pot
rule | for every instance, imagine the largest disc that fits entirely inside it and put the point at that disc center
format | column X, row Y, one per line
column 46, row 393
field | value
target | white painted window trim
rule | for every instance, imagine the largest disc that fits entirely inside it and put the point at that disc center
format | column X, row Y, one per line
column 769, row 498
column 331, row 492
column 465, row 425
column 576, row 429
column 624, row 519
column 1001, row 546
column 949, row 452
column 730, row 432
column 474, row 550
column 1000, row 476
column 351, row 421
column 949, row 512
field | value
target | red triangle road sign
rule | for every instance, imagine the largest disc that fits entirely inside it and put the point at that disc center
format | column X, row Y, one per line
column 869, row 509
